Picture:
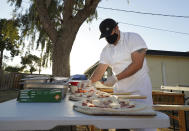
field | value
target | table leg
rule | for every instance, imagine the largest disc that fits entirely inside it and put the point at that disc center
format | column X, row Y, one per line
column 91, row 128
column 182, row 122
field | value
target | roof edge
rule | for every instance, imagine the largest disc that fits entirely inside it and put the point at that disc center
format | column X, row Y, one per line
column 167, row 53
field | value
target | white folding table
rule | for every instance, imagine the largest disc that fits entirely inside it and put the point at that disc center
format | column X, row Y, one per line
column 44, row 116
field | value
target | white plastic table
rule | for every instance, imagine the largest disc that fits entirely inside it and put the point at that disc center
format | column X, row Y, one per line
column 44, row 116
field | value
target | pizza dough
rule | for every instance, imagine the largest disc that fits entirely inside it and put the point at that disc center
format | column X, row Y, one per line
column 96, row 102
column 138, row 109
column 98, row 84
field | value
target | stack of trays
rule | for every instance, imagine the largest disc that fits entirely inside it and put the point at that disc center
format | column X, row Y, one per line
column 40, row 95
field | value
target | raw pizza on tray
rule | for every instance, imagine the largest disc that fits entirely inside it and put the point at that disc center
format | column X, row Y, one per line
column 90, row 92
column 96, row 102
column 107, row 104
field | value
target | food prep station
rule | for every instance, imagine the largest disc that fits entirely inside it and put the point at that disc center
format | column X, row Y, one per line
column 41, row 115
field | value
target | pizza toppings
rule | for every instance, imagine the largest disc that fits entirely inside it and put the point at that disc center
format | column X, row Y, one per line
column 107, row 102
column 95, row 98
column 115, row 105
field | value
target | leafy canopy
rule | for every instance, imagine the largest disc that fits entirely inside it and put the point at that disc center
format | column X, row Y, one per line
column 31, row 26
column 9, row 38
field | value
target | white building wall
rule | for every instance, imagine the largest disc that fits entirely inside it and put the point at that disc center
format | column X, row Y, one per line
column 168, row 70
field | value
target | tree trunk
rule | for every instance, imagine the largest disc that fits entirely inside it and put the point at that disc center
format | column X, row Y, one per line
column 63, row 39
column 61, row 54
column 1, row 59
column 61, row 61
column 62, row 48
column 39, row 70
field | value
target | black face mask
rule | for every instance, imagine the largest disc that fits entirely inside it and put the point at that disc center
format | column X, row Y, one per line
column 112, row 39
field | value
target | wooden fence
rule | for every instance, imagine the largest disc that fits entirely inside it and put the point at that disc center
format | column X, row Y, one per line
column 10, row 80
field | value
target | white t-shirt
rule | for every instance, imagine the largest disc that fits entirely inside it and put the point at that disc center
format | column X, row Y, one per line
column 118, row 57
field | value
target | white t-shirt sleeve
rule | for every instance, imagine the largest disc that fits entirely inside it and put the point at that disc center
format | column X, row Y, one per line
column 104, row 57
column 136, row 42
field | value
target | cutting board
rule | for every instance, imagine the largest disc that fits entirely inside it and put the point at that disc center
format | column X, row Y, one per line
column 132, row 96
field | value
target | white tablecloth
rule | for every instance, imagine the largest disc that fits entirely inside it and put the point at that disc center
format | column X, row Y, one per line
column 44, row 116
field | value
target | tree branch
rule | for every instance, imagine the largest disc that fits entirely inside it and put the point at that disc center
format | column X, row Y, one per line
column 87, row 2
column 48, row 25
column 48, row 2
column 68, row 8
column 90, row 7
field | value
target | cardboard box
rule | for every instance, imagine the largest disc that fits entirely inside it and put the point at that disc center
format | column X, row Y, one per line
column 40, row 95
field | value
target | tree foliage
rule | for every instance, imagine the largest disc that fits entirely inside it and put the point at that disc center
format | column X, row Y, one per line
column 13, row 69
column 9, row 38
column 31, row 63
column 55, row 23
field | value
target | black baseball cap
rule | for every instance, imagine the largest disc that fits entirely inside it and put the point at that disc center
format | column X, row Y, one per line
column 106, row 27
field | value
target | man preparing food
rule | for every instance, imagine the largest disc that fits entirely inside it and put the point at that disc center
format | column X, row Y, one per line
column 125, row 54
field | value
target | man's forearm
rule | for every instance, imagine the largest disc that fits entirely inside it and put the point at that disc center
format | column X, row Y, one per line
column 137, row 63
column 98, row 73
column 96, row 76
column 130, row 70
